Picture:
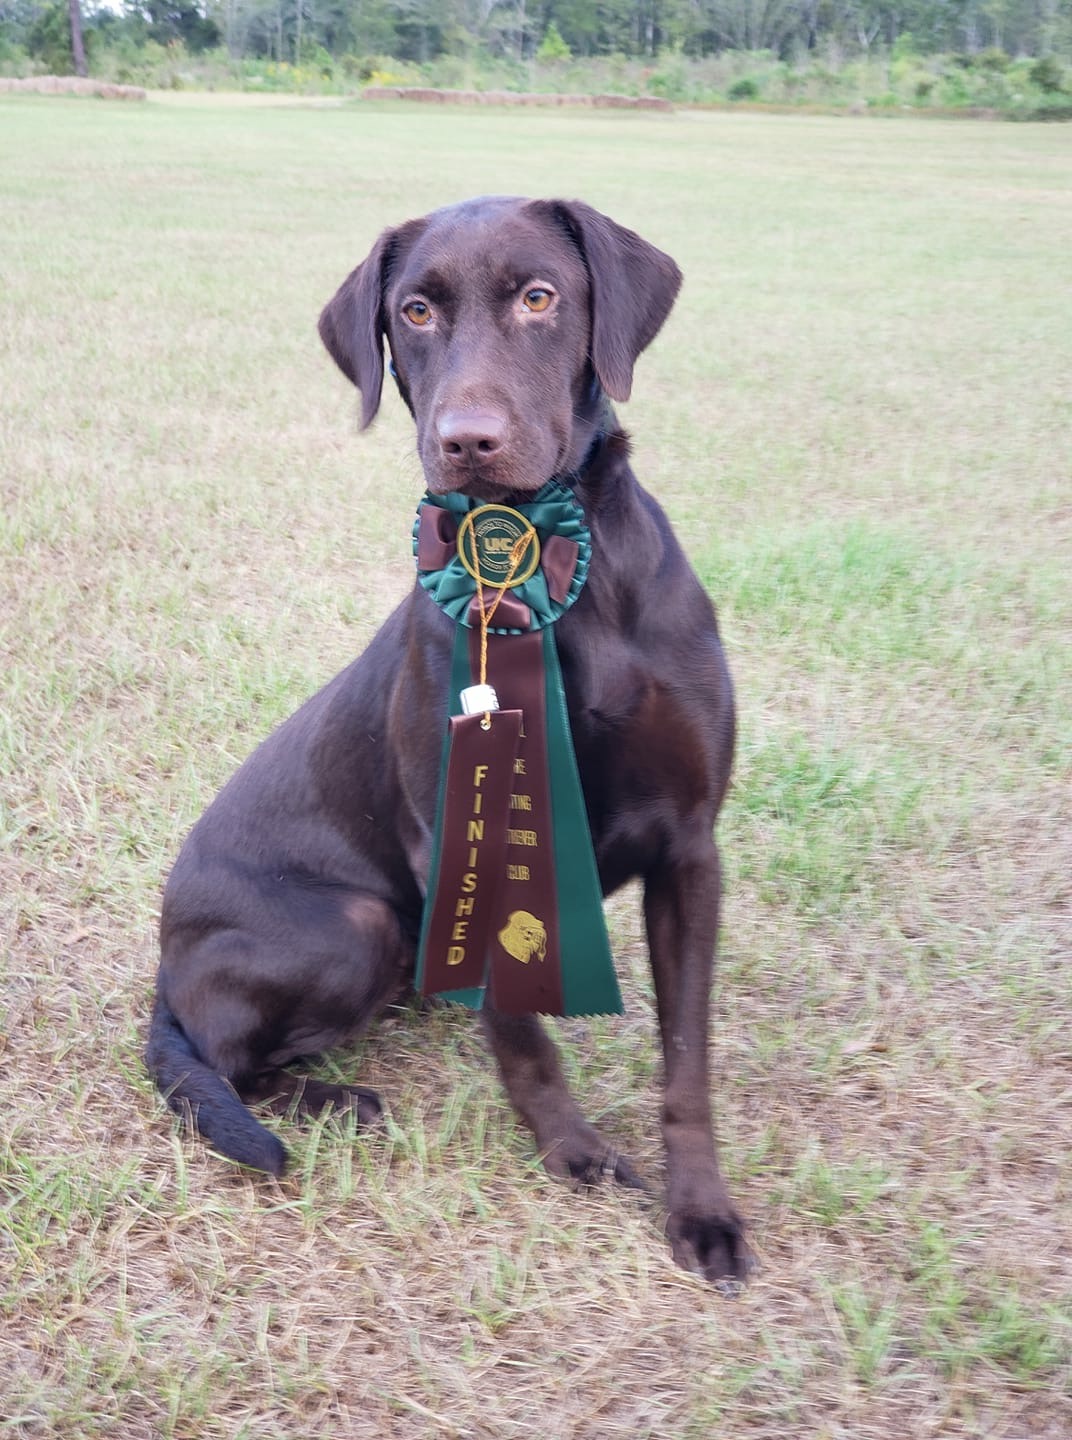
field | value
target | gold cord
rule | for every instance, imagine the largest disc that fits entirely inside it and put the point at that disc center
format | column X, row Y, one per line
column 517, row 554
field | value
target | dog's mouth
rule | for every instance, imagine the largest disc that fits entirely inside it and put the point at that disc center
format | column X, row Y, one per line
column 483, row 488
column 506, row 469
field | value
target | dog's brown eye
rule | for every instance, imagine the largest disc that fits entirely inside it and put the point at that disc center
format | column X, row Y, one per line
column 536, row 299
column 417, row 312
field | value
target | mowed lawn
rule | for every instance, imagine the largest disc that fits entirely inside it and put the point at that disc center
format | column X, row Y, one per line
column 858, row 417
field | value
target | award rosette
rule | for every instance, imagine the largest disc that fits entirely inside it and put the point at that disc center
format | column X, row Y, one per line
column 514, row 906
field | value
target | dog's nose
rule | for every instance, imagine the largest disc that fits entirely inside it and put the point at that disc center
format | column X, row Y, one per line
column 471, row 437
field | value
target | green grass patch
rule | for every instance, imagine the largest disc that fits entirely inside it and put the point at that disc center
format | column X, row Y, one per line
column 858, row 419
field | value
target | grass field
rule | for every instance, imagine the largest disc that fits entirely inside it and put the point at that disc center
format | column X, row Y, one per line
column 859, row 419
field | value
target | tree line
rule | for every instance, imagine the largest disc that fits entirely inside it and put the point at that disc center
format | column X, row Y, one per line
column 547, row 30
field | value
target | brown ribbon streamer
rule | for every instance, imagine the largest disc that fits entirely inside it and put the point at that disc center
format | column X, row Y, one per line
column 475, row 826
column 524, row 945
column 510, row 614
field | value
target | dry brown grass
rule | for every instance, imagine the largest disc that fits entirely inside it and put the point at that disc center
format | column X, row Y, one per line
column 858, row 418
column 70, row 85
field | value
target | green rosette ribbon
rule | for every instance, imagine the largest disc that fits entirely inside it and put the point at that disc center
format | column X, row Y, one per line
column 553, row 510
column 537, row 939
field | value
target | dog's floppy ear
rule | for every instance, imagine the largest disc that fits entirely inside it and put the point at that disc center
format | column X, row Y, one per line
column 633, row 287
column 351, row 325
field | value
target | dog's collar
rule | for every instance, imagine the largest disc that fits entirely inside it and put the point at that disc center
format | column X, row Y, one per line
column 572, row 478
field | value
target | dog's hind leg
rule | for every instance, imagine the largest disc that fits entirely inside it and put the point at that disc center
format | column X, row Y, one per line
column 283, row 1092
column 236, row 1005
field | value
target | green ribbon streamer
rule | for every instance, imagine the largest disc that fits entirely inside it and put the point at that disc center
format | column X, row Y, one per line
column 589, row 982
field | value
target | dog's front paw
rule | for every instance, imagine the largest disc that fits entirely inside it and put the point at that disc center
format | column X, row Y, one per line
column 711, row 1244
column 584, row 1158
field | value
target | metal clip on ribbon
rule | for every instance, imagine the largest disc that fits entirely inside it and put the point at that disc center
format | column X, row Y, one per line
column 479, row 700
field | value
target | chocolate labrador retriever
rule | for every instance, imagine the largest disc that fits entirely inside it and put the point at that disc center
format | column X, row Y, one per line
column 291, row 915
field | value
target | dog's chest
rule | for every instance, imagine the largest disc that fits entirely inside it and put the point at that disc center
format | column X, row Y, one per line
column 647, row 744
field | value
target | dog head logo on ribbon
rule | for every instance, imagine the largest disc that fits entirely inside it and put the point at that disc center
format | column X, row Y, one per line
column 524, row 937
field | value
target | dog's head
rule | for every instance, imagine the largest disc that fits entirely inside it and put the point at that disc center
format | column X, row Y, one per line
column 507, row 322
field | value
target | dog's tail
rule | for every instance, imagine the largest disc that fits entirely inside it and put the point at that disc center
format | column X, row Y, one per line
column 191, row 1087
